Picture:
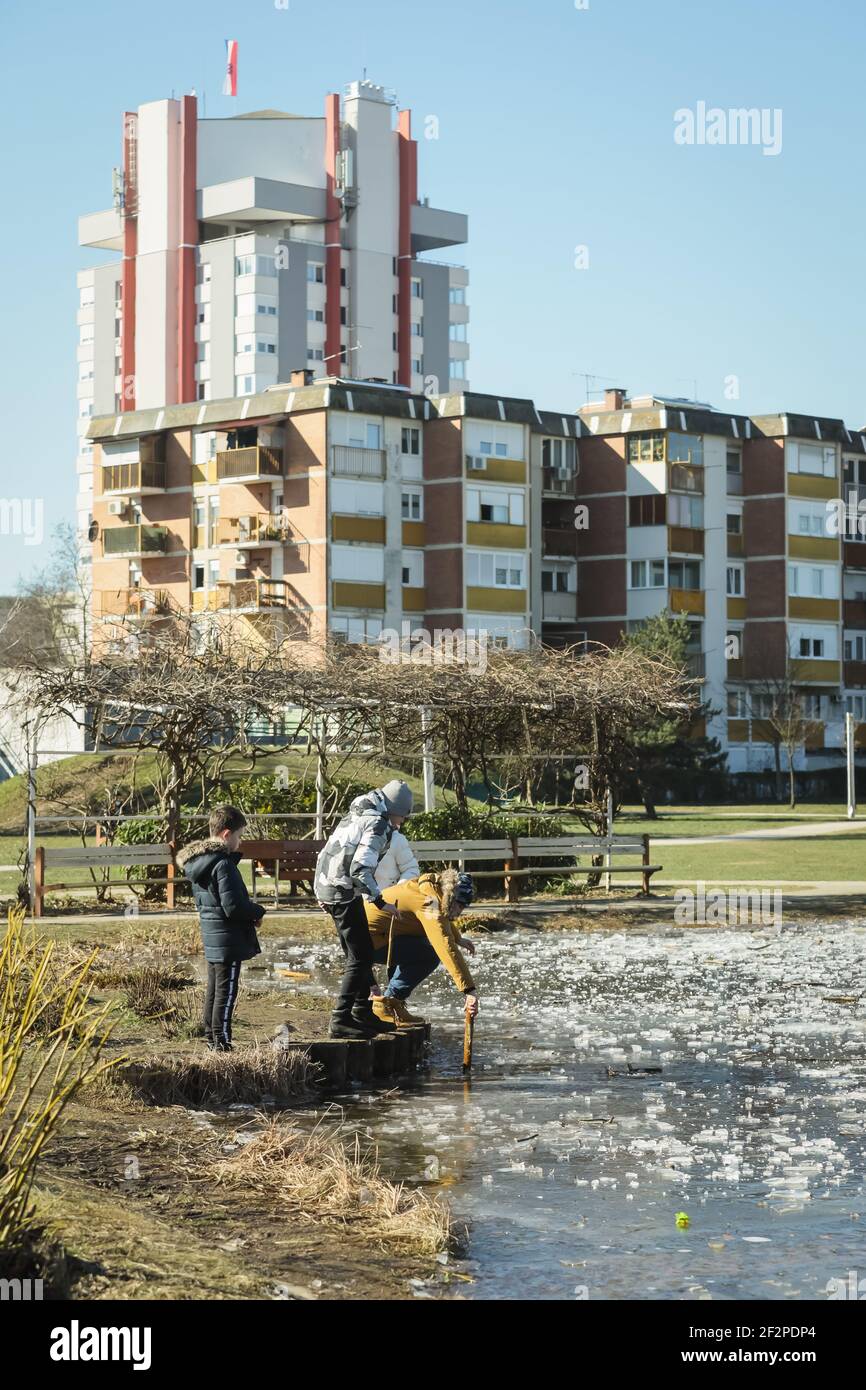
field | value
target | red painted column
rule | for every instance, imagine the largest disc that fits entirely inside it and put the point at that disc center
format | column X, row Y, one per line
column 333, row 258
column 127, row 270
column 408, row 157
column 186, row 309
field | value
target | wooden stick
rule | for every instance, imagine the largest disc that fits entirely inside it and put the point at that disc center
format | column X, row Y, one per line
column 468, row 1029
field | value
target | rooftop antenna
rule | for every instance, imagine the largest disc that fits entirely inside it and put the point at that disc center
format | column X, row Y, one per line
column 590, row 377
column 694, row 383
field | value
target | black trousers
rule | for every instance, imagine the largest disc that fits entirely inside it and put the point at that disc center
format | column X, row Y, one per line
column 223, row 978
column 350, row 919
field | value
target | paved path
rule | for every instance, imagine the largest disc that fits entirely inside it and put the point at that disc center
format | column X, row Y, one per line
column 784, row 832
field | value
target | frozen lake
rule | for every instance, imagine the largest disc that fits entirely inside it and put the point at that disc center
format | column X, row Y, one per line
column 571, row 1162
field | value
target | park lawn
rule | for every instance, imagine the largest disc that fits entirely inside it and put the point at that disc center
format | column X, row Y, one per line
column 823, row 859
column 677, row 821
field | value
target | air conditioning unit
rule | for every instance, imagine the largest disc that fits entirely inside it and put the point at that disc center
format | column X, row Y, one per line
column 563, row 473
column 118, row 506
column 477, row 462
column 240, row 559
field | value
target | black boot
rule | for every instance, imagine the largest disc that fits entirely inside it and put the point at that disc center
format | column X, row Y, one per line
column 349, row 1030
column 363, row 1015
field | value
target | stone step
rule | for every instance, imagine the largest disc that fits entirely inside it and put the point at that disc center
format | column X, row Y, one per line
column 392, row 1054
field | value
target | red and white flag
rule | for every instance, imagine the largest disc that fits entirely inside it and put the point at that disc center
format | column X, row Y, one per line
column 230, row 86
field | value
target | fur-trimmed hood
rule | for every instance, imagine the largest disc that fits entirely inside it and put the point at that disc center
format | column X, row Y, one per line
column 206, row 850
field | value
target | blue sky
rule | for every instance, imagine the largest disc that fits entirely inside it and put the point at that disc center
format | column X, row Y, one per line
column 556, row 130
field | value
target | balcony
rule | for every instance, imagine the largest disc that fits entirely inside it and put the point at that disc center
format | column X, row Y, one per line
column 696, row 666
column 251, row 595
column 559, row 541
column 687, row 601
column 138, row 477
column 249, row 465
column 734, row 484
column 135, row 540
column 132, row 603
column 263, row 529
column 352, row 462
column 558, row 608
column 685, row 477
column 555, row 482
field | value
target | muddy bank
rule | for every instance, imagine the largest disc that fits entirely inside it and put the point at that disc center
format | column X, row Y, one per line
column 132, row 1198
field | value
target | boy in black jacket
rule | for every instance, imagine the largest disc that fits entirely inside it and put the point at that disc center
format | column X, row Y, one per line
column 227, row 915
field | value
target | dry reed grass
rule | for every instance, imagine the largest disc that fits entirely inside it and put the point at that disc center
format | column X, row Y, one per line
column 246, row 1077
column 324, row 1175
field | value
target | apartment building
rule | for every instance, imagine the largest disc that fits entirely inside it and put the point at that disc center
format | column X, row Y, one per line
column 734, row 522
column 342, row 507
column 245, row 248
column 357, row 508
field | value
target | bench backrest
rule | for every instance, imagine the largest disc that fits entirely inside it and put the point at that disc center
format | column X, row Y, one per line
column 104, row 856
column 294, row 854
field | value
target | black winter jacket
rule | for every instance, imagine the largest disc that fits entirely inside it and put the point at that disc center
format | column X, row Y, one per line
column 227, row 913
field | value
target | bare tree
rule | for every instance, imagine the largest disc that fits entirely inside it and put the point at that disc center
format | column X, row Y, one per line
column 777, row 702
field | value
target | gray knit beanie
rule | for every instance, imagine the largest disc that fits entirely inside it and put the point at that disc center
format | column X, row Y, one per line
column 398, row 797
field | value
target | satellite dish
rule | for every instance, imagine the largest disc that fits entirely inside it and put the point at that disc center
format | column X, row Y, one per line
column 93, row 531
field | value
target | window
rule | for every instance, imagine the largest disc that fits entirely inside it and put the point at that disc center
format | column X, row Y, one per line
column 560, row 453
column 85, row 371
column 736, row 581
column 418, row 366
column 245, row 265
column 734, row 462
column 855, row 703
column 495, row 571
column 686, row 448
column 412, row 505
column 198, row 577
column 457, row 370
column 371, row 438
column 813, row 581
column 818, row 459
column 245, row 385
column 855, row 646
column 647, row 574
column 457, row 294
column 811, row 646
column 411, row 440
column 807, row 518
column 738, row 704
column 315, row 316
column 647, row 511
column 854, row 471
column 457, row 332
column 86, row 296
column 417, row 289
column 685, row 511
column 356, row 630
column 266, row 345
column 413, row 568
column 558, row 579
column 418, row 328
column 315, row 354
column 646, row 448
column 315, row 273
column 735, row 523
column 203, row 273
column 684, row 574
column 495, row 505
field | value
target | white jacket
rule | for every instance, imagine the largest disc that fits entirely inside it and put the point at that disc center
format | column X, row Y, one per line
column 398, row 863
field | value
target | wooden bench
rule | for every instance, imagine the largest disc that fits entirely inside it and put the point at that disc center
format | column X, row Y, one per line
column 567, row 848
column 286, row 861
column 103, row 858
